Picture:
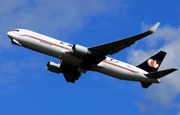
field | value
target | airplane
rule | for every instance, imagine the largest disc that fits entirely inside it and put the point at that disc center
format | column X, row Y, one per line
column 76, row 59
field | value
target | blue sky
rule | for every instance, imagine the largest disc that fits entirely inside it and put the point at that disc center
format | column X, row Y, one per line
column 27, row 88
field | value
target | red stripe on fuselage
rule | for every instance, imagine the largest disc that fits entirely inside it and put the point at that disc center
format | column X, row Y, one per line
column 50, row 43
column 47, row 42
column 110, row 63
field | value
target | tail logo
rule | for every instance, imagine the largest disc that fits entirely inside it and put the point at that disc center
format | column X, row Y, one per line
column 153, row 63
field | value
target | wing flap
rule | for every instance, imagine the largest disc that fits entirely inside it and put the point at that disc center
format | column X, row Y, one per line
column 71, row 77
column 114, row 47
column 145, row 85
column 70, row 72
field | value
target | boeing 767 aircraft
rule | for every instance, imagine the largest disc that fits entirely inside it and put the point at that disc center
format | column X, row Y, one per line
column 76, row 59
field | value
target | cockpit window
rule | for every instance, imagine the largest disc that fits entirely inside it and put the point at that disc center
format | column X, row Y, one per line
column 16, row 30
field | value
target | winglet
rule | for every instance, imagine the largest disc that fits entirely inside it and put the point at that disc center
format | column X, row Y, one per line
column 153, row 29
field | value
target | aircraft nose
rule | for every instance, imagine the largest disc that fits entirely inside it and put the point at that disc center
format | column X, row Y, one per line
column 10, row 34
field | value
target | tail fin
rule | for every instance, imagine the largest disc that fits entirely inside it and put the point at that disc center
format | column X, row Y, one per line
column 153, row 63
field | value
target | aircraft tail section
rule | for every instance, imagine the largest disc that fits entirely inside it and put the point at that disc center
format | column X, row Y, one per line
column 153, row 63
column 157, row 75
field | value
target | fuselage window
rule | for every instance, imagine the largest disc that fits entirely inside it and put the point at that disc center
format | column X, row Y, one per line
column 62, row 43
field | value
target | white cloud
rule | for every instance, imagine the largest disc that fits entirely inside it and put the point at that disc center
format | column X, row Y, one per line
column 51, row 17
column 162, row 94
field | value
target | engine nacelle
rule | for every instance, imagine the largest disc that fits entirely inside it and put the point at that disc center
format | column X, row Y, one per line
column 53, row 67
column 80, row 50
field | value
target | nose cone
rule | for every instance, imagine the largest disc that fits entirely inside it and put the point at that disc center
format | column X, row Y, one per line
column 10, row 34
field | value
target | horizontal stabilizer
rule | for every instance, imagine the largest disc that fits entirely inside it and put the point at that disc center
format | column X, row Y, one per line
column 161, row 73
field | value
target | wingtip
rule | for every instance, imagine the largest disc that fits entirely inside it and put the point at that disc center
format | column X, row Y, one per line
column 154, row 28
column 174, row 69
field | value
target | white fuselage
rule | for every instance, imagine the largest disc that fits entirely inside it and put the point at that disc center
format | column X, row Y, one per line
column 60, row 49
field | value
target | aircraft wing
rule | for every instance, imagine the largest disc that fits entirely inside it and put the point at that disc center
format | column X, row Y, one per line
column 114, row 47
column 70, row 72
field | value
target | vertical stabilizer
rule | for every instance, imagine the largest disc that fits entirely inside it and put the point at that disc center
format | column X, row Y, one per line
column 153, row 63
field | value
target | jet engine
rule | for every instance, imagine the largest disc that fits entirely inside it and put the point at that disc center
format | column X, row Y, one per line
column 53, row 67
column 80, row 51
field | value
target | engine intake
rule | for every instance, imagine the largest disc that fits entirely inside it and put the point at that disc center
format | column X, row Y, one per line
column 80, row 51
column 53, row 67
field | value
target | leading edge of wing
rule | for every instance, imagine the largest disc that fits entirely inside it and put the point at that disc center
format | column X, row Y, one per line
column 116, row 46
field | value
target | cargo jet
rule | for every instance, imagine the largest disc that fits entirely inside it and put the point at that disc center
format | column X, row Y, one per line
column 76, row 59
